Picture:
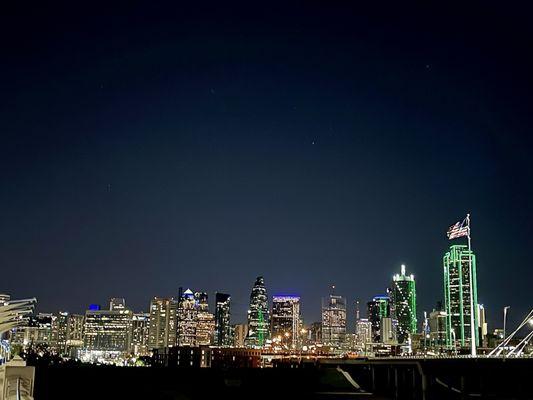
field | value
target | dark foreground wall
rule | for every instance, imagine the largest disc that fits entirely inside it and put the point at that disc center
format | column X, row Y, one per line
column 440, row 379
column 99, row 382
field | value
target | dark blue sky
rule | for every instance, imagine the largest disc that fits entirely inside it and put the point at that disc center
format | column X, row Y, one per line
column 145, row 148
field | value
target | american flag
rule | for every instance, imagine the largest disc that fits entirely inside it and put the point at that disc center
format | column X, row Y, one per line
column 459, row 229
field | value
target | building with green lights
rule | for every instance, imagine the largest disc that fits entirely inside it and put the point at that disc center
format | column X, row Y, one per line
column 459, row 286
column 377, row 309
column 403, row 304
column 258, row 316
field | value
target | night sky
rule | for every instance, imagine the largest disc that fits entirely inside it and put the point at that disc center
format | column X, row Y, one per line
column 148, row 147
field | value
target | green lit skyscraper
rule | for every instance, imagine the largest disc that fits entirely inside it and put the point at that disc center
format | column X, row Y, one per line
column 403, row 304
column 457, row 291
column 258, row 316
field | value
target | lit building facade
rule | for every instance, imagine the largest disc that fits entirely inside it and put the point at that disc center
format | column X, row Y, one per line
column 258, row 315
column 437, row 328
column 363, row 330
column 403, row 304
column 223, row 331
column 162, row 325
column 286, row 320
column 333, row 320
column 460, row 295
column 387, row 331
column 36, row 331
column 205, row 328
column 483, row 326
column 377, row 309
column 239, row 335
column 140, row 334
column 187, row 319
column 108, row 330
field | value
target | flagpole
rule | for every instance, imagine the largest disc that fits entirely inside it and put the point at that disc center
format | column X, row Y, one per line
column 472, row 319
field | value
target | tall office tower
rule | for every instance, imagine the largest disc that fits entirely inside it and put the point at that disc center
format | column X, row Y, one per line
column 60, row 332
column 240, row 332
column 258, row 315
column 483, row 327
column 206, row 321
column 460, row 295
column 387, row 331
column 378, row 308
column 140, row 334
column 333, row 320
column 403, row 304
column 187, row 319
column 437, row 328
column 223, row 331
column 163, row 327
column 286, row 320
column 75, row 324
column 108, row 330
column 363, row 331
column 117, row 303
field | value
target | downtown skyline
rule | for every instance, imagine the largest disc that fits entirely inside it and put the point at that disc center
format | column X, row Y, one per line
column 145, row 150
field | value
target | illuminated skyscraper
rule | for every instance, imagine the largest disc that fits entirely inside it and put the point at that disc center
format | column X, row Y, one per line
column 403, row 304
column 108, row 330
column 60, row 332
column 140, row 334
column 223, row 336
column 377, row 309
column 187, row 319
column 286, row 319
column 205, row 328
column 459, row 290
column 364, row 333
column 258, row 315
column 333, row 320
column 162, row 325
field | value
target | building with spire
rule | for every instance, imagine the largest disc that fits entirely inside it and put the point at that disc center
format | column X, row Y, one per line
column 403, row 304
column 258, row 315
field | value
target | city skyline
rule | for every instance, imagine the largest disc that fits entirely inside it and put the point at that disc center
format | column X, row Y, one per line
column 399, row 298
column 313, row 145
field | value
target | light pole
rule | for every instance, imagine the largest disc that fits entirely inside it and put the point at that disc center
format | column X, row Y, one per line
column 504, row 325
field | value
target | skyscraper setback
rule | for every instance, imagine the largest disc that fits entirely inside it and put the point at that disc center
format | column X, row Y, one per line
column 403, row 304
column 258, row 315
